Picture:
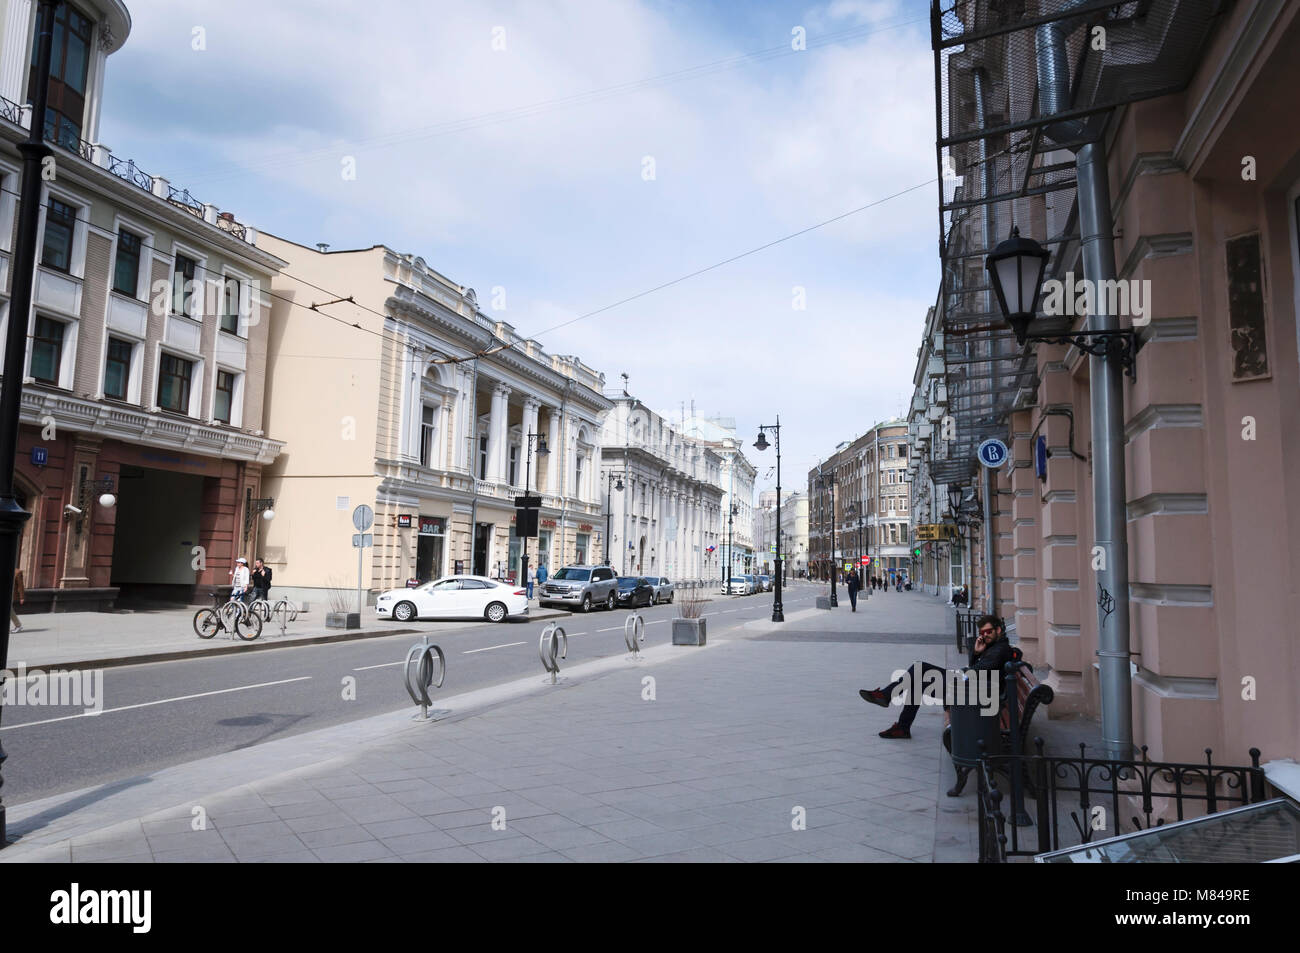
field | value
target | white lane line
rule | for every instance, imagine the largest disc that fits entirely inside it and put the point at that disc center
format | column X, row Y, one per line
column 612, row 628
column 161, row 701
column 656, row 621
column 366, row 668
column 504, row 645
column 725, row 611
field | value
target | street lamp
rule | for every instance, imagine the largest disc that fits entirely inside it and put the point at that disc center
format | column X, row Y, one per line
column 1015, row 270
column 522, row 521
column 609, row 509
column 729, row 570
column 778, row 608
column 858, row 510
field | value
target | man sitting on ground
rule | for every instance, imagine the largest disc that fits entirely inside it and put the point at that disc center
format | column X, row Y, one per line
column 991, row 651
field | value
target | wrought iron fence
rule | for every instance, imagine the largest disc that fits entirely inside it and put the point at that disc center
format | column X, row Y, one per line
column 1096, row 795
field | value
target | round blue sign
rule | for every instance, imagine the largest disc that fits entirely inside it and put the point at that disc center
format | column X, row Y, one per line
column 993, row 452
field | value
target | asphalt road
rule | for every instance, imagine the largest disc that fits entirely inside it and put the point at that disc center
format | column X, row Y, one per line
column 164, row 713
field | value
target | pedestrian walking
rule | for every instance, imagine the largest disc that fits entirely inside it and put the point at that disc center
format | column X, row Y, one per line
column 854, row 586
column 261, row 579
column 531, row 574
column 20, row 596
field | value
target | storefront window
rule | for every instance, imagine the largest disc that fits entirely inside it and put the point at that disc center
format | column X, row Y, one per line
column 429, row 548
column 583, row 544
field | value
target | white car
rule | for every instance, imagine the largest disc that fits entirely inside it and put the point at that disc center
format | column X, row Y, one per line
column 737, row 586
column 454, row 597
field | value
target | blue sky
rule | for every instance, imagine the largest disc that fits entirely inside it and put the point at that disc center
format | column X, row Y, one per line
column 524, row 168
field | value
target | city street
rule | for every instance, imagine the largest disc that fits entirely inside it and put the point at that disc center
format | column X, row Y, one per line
column 162, row 713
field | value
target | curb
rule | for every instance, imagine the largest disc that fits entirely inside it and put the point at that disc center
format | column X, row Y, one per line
column 232, row 648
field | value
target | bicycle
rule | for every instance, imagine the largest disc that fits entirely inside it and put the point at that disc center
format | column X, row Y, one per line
column 223, row 618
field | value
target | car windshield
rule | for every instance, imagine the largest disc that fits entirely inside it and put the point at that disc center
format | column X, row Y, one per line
column 739, row 579
column 577, row 575
column 627, row 582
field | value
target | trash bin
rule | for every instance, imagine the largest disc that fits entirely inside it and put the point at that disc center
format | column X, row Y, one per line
column 969, row 727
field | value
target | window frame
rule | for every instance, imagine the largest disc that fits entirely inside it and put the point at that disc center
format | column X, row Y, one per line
column 60, row 354
column 428, row 432
column 48, row 211
column 231, row 414
column 140, row 254
column 191, row 363
column 195, row 294
column 130, row 361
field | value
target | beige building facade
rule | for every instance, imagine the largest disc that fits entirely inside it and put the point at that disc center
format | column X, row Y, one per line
column 389, row 407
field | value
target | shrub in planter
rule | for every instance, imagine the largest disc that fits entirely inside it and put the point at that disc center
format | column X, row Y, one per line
column 689, row 625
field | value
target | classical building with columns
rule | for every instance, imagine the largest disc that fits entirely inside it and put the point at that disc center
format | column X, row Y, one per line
column 664, row 521
column 390, row 407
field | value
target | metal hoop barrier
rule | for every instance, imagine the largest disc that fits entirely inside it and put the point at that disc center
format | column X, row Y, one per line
column 634, row 632
column 553, row 641
column 425, row 667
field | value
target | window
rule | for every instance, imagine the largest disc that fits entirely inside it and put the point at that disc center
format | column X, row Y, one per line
column 126, row 270
column 174, row 384
column 225, row 397
column 69, row 62
column 60, row 219
column 117, row 370
column 183, row 297
column 47, row 350
column 230, row 306
column 514, row 465
column 482, row 458
column 426, row 435
column 577, row 476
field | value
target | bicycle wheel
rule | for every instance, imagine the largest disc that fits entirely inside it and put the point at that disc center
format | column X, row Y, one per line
column 284, row 612
column 231, row 612
column 260, row 607
column 207, row 623
column 248, row 626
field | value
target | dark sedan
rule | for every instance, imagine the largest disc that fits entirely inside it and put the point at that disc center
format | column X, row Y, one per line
column 635, row 591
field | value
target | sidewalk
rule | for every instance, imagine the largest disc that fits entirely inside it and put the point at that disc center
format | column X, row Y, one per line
column 690, row 754
column 90, row 639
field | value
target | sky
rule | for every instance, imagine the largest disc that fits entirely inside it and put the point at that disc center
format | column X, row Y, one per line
column 563, row 156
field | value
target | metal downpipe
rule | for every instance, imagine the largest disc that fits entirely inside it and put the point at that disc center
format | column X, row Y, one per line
column 1106, row 394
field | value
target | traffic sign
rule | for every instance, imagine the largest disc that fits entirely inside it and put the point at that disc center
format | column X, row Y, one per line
column 528, row 501
column 363, row 517
column 363, row 540
column 992, row 452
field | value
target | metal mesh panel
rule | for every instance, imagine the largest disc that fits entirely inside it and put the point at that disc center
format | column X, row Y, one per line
column 1012, row 163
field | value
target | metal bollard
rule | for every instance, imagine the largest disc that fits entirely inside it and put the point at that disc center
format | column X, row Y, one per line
column 634, row 632
column 552, row 645
column 422, row 661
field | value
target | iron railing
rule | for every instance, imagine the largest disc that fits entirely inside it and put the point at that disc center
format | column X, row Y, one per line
column 1102, row 798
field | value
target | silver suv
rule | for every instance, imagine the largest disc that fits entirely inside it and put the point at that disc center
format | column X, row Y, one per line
column 580, row 587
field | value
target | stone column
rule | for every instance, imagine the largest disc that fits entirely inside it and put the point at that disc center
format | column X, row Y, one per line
column 557, row 452
column 497, row 433
column 531, row 407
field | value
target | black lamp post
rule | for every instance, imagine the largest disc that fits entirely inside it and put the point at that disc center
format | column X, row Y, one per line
column 12, row 516
column 857, row 509
column 728, row 571
column 542, row 451
column 778, row 608
column 1015, row 270
column 609, row 508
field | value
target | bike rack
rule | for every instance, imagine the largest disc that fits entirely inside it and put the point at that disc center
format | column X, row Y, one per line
column 634, row 632
column 553, row 639
column 422, row 661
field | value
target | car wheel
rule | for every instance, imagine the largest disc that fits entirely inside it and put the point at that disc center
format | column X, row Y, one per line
column 670, row 598
column 586, row 602
column 496, row 612
column 609, row 603
column 404, row 611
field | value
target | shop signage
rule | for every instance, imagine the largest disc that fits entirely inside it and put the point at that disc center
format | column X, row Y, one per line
column 404, row 521
column 40, row 456
column 585, row 527
column 549, row 523
column 431, row 525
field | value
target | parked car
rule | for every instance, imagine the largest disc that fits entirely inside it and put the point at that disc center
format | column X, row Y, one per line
column 663, row 588
column 736, row 586
column 455, row 597
column 580, row 587
column 754, row 584
column 767, row 583
column 635, row 591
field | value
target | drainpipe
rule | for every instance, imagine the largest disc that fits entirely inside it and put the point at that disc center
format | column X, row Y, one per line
column 473, row 468
column 990, row 240
column 1096, row 231
column 564, row 472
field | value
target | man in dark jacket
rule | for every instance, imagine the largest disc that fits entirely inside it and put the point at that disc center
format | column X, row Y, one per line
column 991, row 652
column 261, row 579
column 853, row 590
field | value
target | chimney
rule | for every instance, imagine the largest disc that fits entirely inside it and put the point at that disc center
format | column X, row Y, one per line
column 322, row 247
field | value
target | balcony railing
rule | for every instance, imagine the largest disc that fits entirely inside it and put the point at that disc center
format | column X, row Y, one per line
column 127, row 170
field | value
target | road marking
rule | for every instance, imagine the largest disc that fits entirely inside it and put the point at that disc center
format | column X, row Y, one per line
column 725, row 611
column 161, row 701
column 489, row 648
column 612, row 628
column 366, row 668
column 656, row 621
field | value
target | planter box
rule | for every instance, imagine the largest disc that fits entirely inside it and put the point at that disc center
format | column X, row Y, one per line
column 689, row 631
column 343, row 620
column 823, row 602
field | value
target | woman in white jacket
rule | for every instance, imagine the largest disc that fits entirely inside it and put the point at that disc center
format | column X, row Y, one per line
column 239, row 580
